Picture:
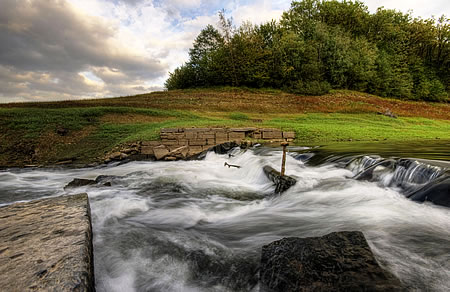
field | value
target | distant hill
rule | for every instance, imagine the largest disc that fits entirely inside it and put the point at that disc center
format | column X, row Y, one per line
column 84, row 131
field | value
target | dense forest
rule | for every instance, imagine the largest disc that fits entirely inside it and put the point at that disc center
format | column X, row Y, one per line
column 323, row 45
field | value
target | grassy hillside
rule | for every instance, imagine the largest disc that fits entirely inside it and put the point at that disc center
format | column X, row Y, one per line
column 45, row 133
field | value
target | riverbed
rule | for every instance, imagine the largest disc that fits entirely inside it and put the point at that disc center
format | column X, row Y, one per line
column 200, row 226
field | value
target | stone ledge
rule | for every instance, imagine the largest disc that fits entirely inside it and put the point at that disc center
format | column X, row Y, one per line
column 46, row 245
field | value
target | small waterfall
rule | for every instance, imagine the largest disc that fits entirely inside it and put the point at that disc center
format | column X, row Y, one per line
column 361, row 163
column 417, row 180
column 408, row 172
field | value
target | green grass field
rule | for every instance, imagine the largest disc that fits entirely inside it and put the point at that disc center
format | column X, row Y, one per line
column 45, row 134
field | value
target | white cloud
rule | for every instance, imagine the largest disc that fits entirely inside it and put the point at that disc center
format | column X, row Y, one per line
column 422, row 8
column 68, row 49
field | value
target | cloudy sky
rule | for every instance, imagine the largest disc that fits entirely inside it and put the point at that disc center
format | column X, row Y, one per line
column 72, row 49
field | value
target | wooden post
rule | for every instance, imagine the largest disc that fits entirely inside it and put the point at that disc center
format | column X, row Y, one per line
column 283, row 161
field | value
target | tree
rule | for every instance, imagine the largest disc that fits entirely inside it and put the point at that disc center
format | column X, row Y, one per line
column 318, row 45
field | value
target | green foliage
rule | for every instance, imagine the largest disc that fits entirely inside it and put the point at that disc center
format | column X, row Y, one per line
column 318, row 45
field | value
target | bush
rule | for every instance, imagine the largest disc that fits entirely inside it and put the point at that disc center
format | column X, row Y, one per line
column 311, row 87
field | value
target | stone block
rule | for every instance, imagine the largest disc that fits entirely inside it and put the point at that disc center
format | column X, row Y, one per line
column 197, row 142
column 211, row 141
column 179, row 153
column 206, row 136
column 219, row 130
column 236, row 136
column 147, row 150
column 272, row 134
column 220, row 141
column 190, row 135
column 248, row 129
column 160, row 152
column 197, row 130
column 256, row 135
column 170, row 142
column 195, row 149
column 183, row 142
column 46, row 245
column 221, row 135
column 289, row 135
column 169, row 136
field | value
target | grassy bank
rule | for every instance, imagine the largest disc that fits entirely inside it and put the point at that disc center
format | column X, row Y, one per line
column 45, row 133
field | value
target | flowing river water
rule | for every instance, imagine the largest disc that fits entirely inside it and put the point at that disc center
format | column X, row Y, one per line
column 200, row 226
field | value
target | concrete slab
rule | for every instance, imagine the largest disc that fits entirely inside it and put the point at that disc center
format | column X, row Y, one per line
column 46, row 245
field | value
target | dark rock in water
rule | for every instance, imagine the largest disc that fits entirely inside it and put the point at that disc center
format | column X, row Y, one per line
column 237, row 273
column 80, row 182
column 437, row 192
column 282, row 183
column 106, row 180
column 339, row 261
column 223, row 148
column 367, row 174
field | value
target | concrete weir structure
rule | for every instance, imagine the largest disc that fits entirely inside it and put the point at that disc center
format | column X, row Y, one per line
column 46, row 245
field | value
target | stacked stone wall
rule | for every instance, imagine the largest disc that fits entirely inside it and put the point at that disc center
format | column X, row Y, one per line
column 180, row 143
column 204, row 138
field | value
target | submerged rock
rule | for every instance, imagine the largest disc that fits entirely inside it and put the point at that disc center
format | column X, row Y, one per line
column 339, row 261
column 282, row 183
column 237, row 273
column 437, row 192
column 80, row 182
column 224, row 148
column 370, row 172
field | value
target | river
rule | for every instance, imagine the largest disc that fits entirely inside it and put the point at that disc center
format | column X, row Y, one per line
column 199, row 226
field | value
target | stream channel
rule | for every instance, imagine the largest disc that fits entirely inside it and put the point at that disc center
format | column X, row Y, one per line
column 200, row 226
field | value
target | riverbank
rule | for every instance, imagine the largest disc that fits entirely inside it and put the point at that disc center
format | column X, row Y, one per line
column 85, row 131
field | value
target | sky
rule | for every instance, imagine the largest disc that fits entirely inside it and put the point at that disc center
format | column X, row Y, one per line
column 78, row 49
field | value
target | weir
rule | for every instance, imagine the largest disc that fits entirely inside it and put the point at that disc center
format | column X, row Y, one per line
column 46, row 245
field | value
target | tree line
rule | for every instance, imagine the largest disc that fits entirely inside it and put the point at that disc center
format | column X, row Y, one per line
column 323, row 45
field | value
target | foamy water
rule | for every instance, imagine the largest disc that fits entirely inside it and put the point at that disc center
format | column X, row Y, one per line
column 158, row 218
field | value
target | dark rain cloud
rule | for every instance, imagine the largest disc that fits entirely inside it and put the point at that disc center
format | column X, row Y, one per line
column 44, row 44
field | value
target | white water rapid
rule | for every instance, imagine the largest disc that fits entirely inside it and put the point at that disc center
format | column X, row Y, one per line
column 160, row 224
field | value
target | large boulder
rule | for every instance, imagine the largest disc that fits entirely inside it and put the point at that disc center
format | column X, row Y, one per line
column 339, row 261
